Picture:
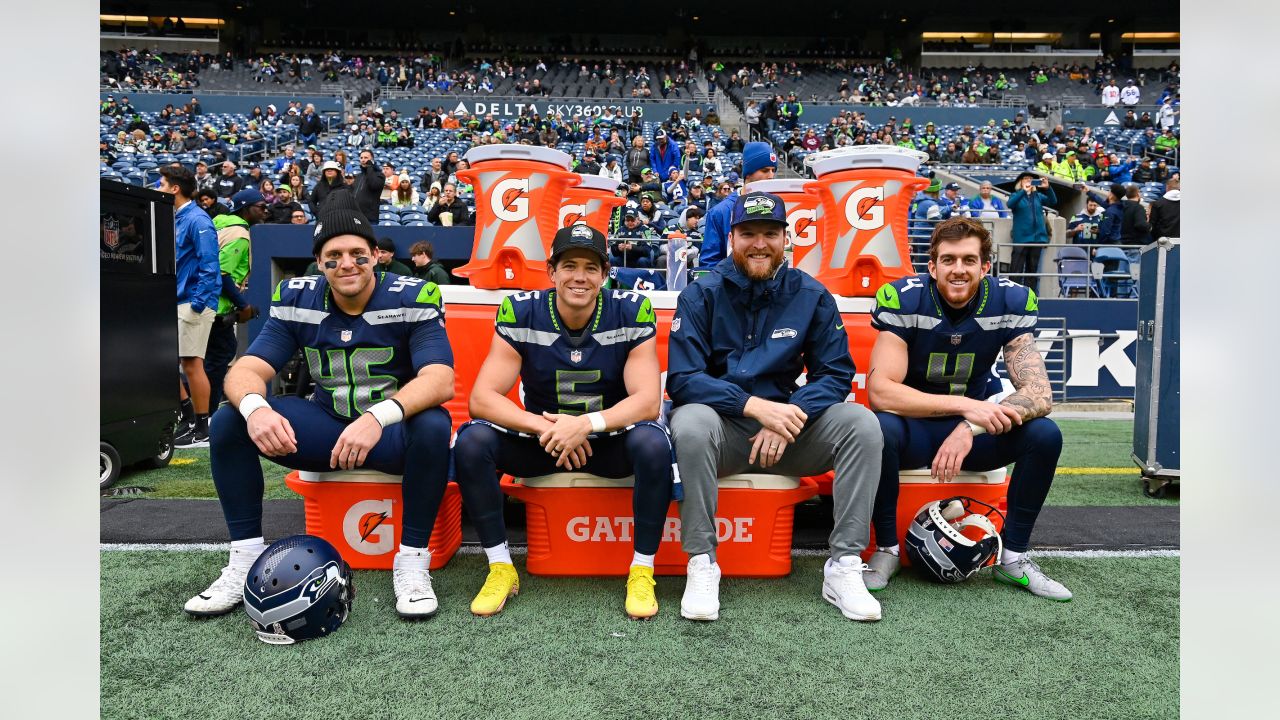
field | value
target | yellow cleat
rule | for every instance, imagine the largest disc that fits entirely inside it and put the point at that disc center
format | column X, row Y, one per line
column 502, row 583
column 642, row 604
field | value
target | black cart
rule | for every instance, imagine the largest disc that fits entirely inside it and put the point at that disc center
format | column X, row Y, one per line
column 139, row 329
column 1157, row 406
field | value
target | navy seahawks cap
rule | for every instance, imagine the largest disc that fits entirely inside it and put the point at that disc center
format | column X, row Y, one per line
column 579, row 235
column 758, row 206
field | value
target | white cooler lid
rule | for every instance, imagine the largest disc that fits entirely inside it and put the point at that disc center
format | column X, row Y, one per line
column 364, row 476
column 484, row 153
column 597, row 182
column 779, row 185
column 866, row 157
column 586, row 480
column 990, row 477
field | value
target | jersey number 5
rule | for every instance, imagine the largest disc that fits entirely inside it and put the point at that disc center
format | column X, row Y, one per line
column 571, row 401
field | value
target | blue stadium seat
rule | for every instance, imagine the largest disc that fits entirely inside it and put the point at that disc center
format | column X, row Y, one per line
column 1117, row 277
column 1075, row 278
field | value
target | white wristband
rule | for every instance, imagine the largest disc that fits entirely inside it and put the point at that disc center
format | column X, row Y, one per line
column 597, row 422
column 251, row 402
column 975, row 428
column 387, row 412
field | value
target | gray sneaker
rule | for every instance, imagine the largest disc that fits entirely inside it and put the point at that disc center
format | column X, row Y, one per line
column 881, row 567
column 1026, row 574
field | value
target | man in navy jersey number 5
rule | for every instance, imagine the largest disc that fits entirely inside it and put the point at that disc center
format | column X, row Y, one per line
column 589, row 364
column 376, row 345
column 929, row 382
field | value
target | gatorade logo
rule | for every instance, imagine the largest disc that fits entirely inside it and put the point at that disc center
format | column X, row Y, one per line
column 863, row 210
column 804, row 231
column 365, row 530
column 572, row 215
column 510, row 199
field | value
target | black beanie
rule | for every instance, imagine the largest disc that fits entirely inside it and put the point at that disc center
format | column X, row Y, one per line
column 341, row 216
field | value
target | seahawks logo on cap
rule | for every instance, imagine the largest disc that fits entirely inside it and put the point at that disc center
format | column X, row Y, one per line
column 759, row 205
column 319, row 229
column 581, row 231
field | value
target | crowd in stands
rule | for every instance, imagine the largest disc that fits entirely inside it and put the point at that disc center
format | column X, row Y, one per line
column 865, row 82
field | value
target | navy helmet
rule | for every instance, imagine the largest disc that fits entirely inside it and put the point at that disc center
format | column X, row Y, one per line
column 937, row 544
column 299, row 588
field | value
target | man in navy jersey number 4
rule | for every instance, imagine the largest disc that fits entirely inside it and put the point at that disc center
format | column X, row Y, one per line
column 588, row 362
column 375, row 344
column 939, row 337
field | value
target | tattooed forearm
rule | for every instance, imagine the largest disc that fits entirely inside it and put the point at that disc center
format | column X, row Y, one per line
column 1034, row 396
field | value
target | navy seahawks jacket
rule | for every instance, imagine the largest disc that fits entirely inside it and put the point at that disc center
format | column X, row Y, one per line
column 732, row 338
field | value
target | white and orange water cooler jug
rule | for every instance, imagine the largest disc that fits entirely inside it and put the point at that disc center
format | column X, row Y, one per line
column 865, row 194
column 519, row 190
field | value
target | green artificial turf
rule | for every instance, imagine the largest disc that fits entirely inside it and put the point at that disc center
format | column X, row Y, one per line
column 563, row 649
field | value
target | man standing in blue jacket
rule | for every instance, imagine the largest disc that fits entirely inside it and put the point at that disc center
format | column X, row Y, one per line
column 1030, row 235
column 759, row 162
column 664, row 155
column 199, row 285
column 740, row 338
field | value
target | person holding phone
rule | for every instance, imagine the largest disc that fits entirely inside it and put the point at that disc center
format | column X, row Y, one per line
column 1027, row 204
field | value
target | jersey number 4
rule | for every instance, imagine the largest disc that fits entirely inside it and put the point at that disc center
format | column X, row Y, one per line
column 958, row 379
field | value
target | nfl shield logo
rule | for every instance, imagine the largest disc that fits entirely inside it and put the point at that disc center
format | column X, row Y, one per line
column 576, row 356
column 346, row 335
column 111, row 232
column 955, row 339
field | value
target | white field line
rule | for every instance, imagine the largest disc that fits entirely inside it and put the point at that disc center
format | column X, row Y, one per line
column 516, row 550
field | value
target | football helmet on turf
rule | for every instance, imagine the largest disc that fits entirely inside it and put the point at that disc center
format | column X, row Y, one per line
column 299, row 588
column 936, row 540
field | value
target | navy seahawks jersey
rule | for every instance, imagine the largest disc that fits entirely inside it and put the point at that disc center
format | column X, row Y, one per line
column 356, row 360
column 954, row 358
column 572, row 375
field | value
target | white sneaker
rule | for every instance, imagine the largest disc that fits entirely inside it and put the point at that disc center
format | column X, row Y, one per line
column 411, row 578
column 880, row 567
column 842, row 586
column 227, row 591
column 701, row 599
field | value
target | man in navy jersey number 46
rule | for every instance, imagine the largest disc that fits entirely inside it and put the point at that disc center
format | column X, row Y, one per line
column 588, row 362
column 929, row 382
column 375, row 343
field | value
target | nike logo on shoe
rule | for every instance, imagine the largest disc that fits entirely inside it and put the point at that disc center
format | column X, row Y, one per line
column 1024, row 581
column 414, row 600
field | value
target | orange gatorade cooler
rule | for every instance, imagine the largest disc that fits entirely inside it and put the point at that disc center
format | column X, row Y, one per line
column 519, row 189
column 916, row 488
column 591, row 202
column 865, row 193
column 359, row 512
column 803, row 224
column 580, row 524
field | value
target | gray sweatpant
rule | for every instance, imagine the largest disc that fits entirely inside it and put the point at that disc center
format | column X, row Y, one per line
column 845, row 437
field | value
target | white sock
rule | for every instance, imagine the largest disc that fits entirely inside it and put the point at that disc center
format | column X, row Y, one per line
column 406, row 550
column 499, row 554
column 245, row 552
column 642, row 560
column 892, row 549
column 1008, row 556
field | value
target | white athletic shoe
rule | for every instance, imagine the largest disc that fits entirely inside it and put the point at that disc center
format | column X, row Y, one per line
column 880, row 567
column 227, row 591
column 411, row 578
column 842, row 586
column 701, row 599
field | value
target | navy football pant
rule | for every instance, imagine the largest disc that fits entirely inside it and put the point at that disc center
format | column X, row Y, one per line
column 911, row 443
column 417, row 449
column 480, row 451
